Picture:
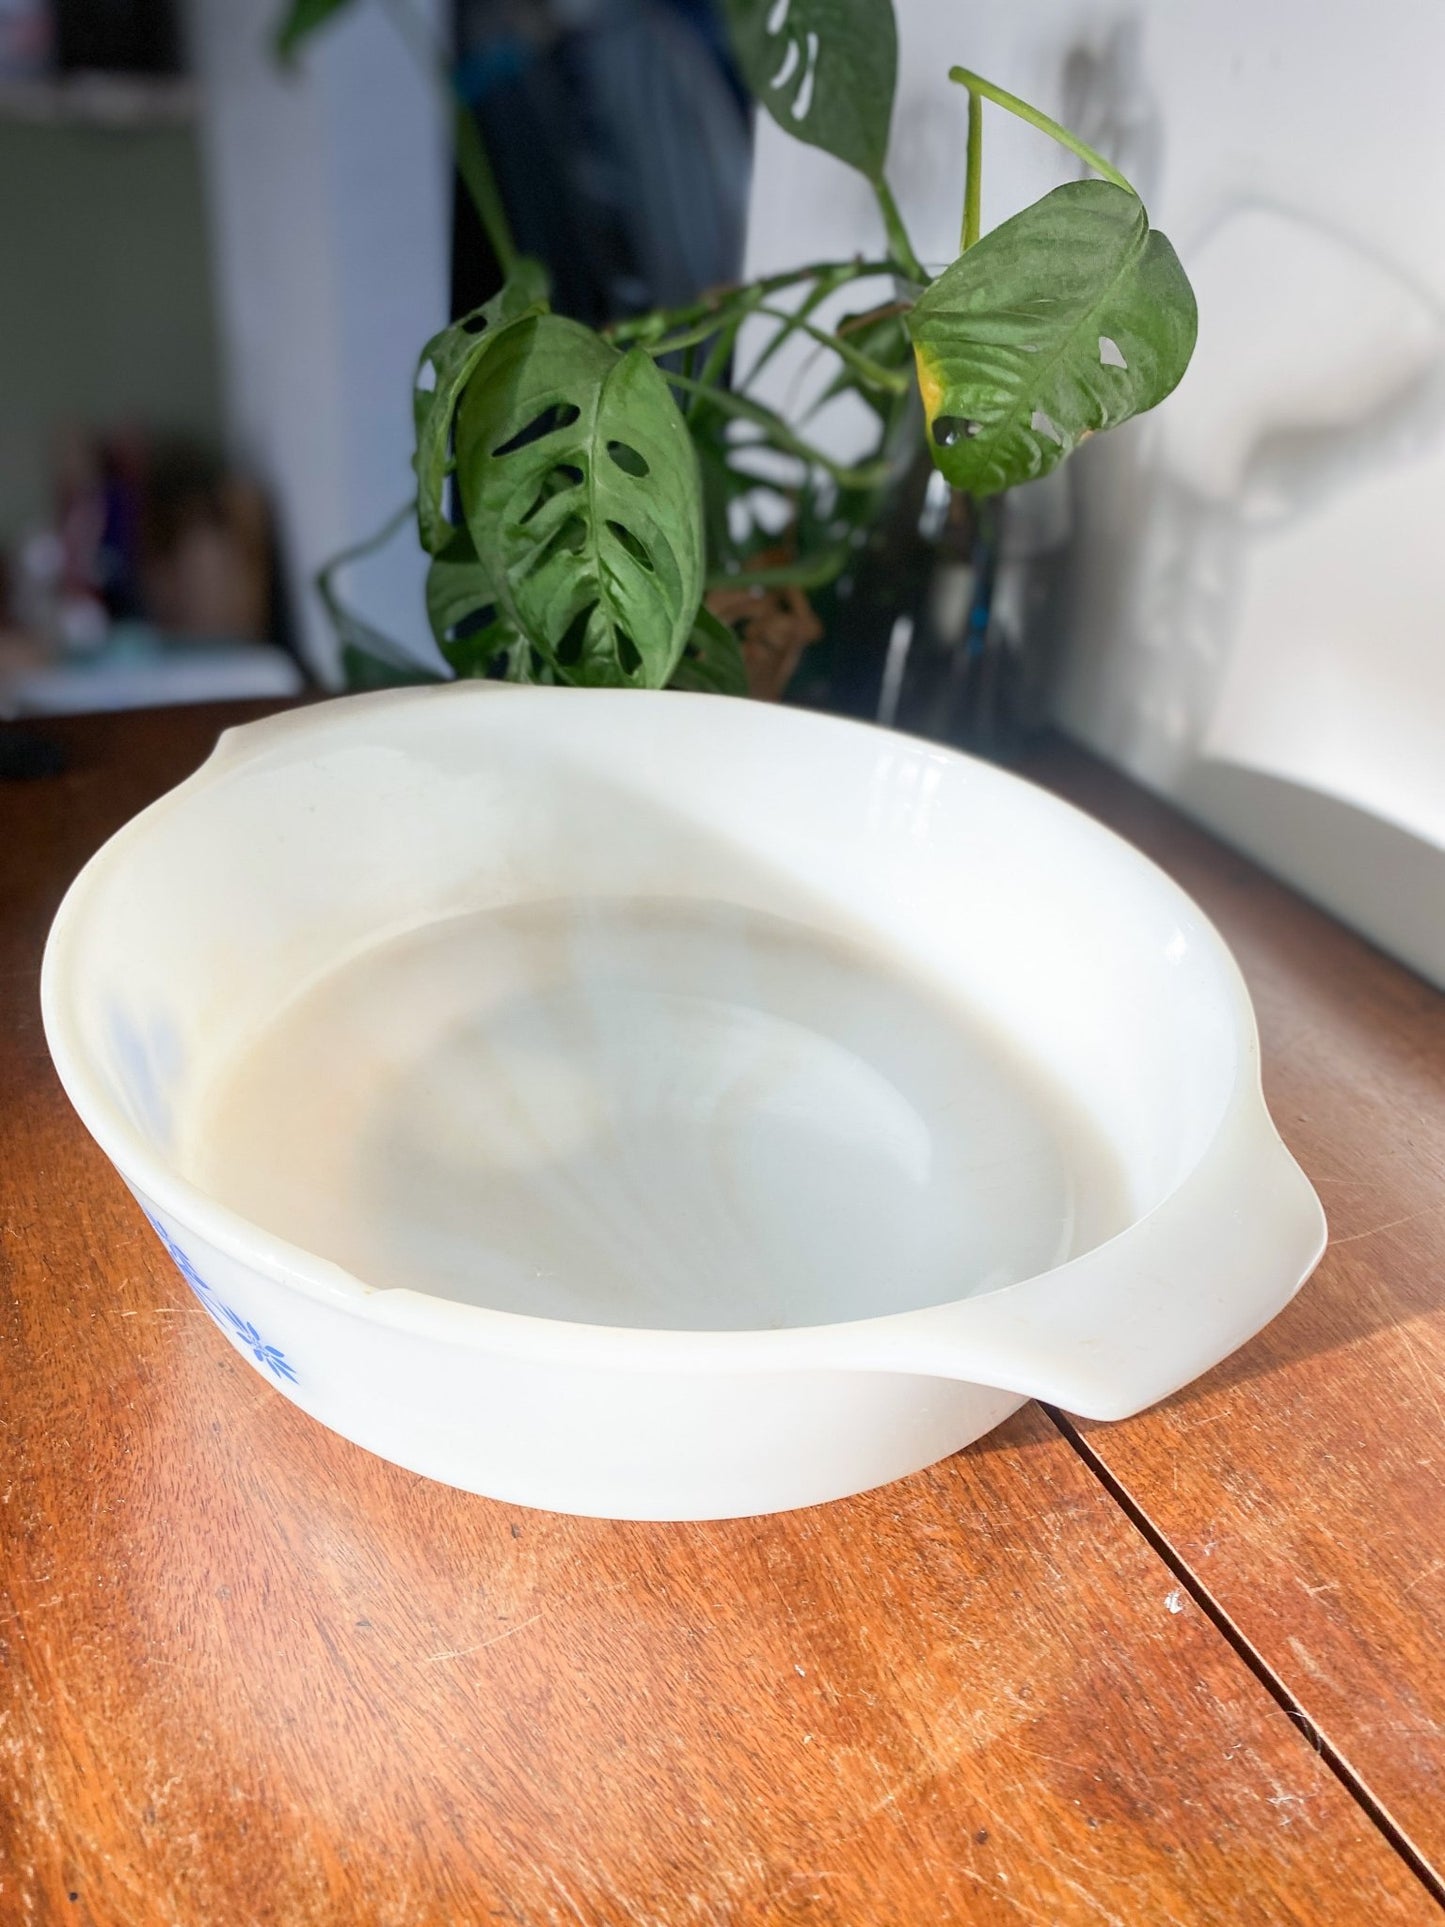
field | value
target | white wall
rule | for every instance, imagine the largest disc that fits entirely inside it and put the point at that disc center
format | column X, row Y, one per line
column 329, row 191
column 1256, row 607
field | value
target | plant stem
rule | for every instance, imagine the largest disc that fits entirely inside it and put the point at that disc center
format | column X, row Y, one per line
column 326, row 575
column 689, row 337
column 793, row 322
column 815, row 573
column 976, row 84
column 973, row 174
column 475, row 168
column 718, row 357
column 897, row 381
column 715, row 308
column 355, row 636
column 777, row 433
column 898, row 239
column 468, row 150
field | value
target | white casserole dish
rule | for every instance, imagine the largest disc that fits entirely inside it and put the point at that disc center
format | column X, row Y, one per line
column 667, row 1107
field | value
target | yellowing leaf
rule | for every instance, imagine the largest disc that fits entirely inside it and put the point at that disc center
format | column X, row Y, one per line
column 1069, row 318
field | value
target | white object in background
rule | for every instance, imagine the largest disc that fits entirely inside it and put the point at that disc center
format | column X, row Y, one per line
column 656, row 1106
column 1256, row 609
column 209, row 672
column 330, row 194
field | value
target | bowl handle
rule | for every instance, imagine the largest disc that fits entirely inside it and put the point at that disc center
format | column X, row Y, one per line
column 1126, row 1324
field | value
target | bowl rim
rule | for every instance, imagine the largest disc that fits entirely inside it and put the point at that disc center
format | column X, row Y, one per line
column 845, row 1343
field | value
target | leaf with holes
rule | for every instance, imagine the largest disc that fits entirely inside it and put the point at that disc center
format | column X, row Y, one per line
column 300, row 20
column 472, row 632
column 1069, row 318
column 446, row 365
column 824, row 69
column 580, row 487
column 712, row 659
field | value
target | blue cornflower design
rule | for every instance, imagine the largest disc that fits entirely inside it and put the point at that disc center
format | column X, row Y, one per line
column 181, row 1262
column 262, row 1353
column 242, row 1328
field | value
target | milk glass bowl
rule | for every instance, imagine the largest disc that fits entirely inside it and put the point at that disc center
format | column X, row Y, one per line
column 669, row 1107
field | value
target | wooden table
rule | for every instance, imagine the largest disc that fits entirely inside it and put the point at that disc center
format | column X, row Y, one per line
column 1190, row 1668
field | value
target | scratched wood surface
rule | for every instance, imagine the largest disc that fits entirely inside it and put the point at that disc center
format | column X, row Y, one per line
column 253, row 1675
column 1304, row 1481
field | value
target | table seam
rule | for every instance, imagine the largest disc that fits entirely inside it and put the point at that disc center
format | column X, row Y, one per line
column 1352, row 1781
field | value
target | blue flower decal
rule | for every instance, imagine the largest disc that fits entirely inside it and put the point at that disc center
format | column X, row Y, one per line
column 263, row 1354
column 231, row 1322
column 181, row 1262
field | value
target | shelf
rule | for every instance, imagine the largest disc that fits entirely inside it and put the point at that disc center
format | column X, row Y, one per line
column 108, row 101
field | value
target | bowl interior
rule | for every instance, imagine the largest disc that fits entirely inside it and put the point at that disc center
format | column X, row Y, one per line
column 660, row 1011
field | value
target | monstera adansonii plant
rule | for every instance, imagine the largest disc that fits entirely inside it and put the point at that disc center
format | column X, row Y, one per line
column 582, row 493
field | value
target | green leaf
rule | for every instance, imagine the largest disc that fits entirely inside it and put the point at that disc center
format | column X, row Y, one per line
column 581, row 491
column 824, row 69
column 1069, row 318
column 712, row 660
column 461, row 605
column 300, row 20
column 445, row 366
column 457, row 586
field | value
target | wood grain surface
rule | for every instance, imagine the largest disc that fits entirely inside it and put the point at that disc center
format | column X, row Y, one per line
column 1303, row 1482
column 252, row 1674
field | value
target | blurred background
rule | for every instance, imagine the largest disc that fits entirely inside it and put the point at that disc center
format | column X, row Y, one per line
column 216, row 274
